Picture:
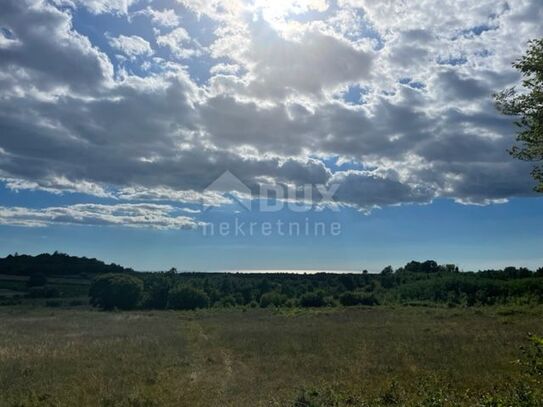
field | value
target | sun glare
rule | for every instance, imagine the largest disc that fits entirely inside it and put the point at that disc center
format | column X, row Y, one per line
column 281, row 9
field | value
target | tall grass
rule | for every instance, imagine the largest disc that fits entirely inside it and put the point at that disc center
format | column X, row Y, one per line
column 261, row 357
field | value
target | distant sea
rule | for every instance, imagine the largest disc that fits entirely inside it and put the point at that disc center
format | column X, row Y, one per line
column 290, row 271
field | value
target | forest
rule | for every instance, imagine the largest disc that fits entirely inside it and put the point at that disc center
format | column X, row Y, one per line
column 113, row 286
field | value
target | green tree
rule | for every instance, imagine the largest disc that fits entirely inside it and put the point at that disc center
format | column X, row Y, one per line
column 272, row 298
column 351, row 298
column 116, row 291
column 387, row 271
column 313, row 299
column 36, row 280
column 185, row 298
column 156, row 291
column 527, row 105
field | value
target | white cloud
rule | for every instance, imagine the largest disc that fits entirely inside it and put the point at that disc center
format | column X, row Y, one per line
column 162, row 18
column 57, row 185
column 178, row 41
column 425, row 126
column 45, row 35
column 127, row 215
column 106, row 6
column 131, row 45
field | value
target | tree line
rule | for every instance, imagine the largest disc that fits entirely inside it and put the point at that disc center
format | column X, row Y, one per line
column 58, row 264
column 415, row 283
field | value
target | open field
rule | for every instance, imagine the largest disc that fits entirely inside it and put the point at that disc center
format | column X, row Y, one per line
column 351, row 356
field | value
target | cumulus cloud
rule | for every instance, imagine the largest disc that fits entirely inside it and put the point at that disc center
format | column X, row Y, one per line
column 367, row 189
column 308, row 62
column 127, row 215
column 162, row 18
column 57, row 185
column 179, row 43
column 131, row 45
column 49, row 53
column 106, row 6
column 250, row 89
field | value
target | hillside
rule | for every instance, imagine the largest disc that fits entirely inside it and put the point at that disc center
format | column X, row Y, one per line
column 56, row 264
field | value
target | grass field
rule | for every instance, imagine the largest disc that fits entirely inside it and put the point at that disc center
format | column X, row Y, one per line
column 378, row 356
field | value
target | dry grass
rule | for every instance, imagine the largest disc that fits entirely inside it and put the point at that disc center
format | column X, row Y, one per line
column 258, row 357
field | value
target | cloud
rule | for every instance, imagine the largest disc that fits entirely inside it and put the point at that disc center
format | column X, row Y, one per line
column 263, row 95
column 49, row 54
column 106, row 6
column 162, row 18
column 57, row 186
column 127, row 215
column 367, row 189
column 131, row 45
column 308, row 63
column 178, row 41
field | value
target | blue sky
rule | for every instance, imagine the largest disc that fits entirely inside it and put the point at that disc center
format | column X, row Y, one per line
column 117, row 116
column 475, row 237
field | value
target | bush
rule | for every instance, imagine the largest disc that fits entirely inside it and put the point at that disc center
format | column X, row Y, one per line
column 43, row 292
column 36, row 280
column 272, row 298
column 313, row 299
column 156, row 293
column 116, row 291
column 53, row 303
column 228, row 301
column 351, row 298
column 187, row 298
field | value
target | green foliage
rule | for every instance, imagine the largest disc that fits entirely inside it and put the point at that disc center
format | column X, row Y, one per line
column 187, row 298
column 325, row 397
column 116, row 291
column 156, row 291
column 55, row 264
column 227, row 301
column 43, row 292
column 527, row 106
column 533, row 359
column 37, row 280
column 415, row 283
column 351, row 298
column 272, row 298
column 53, row 303
column 313, row 299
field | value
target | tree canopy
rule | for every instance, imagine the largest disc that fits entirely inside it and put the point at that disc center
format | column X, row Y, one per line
column 116, row 291
column 527, row 105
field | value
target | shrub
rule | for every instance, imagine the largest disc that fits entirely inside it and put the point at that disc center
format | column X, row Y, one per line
column 352, row 298
column 43, row 292
column 36, row 280
column 156, row 293
column 272, row 298
column 116, row 291
column 53, row 303
column 186, row 298
column 313, row 299
column 349, row 299
column 228, row 301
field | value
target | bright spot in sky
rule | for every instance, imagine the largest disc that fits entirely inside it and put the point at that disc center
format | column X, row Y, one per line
column 280, row 9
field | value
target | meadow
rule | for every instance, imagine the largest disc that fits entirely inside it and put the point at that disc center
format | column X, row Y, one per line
column 342, row 356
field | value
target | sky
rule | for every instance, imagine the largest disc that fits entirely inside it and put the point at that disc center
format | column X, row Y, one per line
column 248, row 134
